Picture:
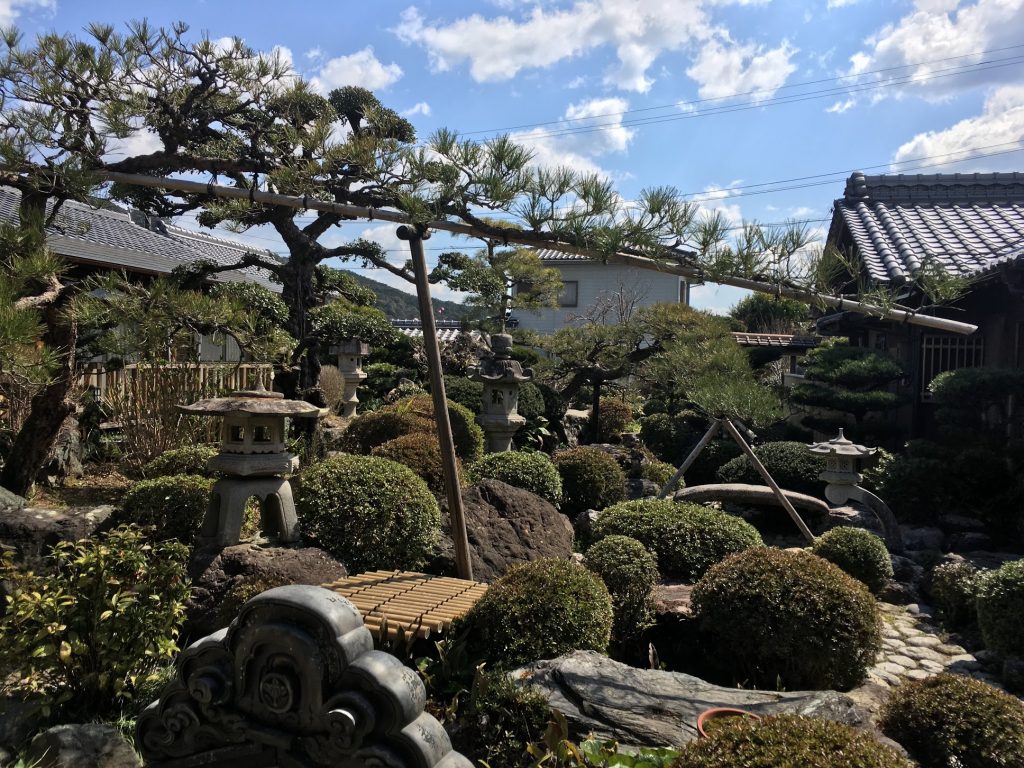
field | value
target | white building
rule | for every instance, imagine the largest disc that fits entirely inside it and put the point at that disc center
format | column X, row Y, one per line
column 599, row 292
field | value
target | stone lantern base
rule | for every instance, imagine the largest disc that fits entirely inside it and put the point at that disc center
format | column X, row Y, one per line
column 498, row 432
column 226, row 513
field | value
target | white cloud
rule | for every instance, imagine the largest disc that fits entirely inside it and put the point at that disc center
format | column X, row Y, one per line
column 724, row 68
column 639, row 32
column 11, row 9
column 361, row 68
column 314, row 54
column 841, row 106
column 943, row 29
column 840, row 3
column 138, row 143
column 551, row 147
column 419, row 108
column 1001, row 121
column 713, row 201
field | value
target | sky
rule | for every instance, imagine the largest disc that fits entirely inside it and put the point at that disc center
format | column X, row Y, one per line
column 757, row 108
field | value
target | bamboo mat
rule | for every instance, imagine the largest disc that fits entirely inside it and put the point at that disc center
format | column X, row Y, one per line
column 409, row 602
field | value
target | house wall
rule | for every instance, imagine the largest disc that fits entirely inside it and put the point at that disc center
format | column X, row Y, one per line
column 598, row 282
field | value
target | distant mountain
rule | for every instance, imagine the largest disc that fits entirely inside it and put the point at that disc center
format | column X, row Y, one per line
column 399, row 305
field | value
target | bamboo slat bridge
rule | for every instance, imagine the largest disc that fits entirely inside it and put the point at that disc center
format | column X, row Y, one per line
column 409, row 603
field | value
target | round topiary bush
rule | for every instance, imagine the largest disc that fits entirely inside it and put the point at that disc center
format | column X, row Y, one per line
column 1001, row 609
column 775, row 617
column 686, row 538
column 954, row 588
column 659, row 473
column 531, row 402
column 613, row 417
column 421, row 453
column 174, row 505
column 591, row 479
column 465, row 392
column 188, row 460
column 789, row 464
column 533, row 472
column 788, row 740
column 540, row 610
column 368, row 512
column 951, row 720
column 468, row 436
column 630, row 572
column 858, row 552
column 369, row 430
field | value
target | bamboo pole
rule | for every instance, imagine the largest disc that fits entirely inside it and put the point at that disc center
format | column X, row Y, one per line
column 708, row 436
column 512, row 236
column 463, row 564
column 770, row 480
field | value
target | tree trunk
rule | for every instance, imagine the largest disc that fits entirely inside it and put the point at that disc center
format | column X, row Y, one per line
column 595, row 411
column 50, row 406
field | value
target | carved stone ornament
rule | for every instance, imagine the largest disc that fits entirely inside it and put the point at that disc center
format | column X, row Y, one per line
column 293, row 682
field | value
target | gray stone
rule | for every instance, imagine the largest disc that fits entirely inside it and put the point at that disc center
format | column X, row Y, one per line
column 890, row 668
column 10, row 500
column 645, row 707
column 969, row 541
column 506, row 526
column 955, row 523
column 923, row 654
column 20, row 718
column 906, row 570
column 33, row 531
column 917, row 674
column 923, row 537
column 584, row 524
column 899, row 593
column 639, row 488
column 744, row 493
column 88, row 745
column 924, row 641
column 903, row 661
column 933, row 667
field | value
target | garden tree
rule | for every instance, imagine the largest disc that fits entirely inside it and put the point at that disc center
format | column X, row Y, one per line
column 761, row 313
column 851, row 381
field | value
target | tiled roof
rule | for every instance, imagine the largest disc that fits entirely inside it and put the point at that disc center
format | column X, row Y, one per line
column 109, row 237
column 967, row 224
column 775, row 340
column 546, row 254
column 447, row 330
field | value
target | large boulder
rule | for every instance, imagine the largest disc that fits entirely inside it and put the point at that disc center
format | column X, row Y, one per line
column 223, row 579
column 33, row 531
column 89, row 745
column 506, row 526
column 649, row 707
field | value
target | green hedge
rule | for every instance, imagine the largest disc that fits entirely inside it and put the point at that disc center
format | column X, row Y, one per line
column 790, row 464
column 421, row 453
column 533, row 472
column 189, row 460
column 591, row 479
column 174, row 505
column 858, row 552
column 954, row 588
column 1001, row 609
column 686, row 538
column 630, row 572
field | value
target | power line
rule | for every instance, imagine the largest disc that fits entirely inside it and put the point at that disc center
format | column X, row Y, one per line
column 692, row 102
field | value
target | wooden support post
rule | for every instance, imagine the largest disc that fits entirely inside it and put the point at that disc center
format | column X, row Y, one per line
column 770, row 480
column 416, row 235
column 708, row 437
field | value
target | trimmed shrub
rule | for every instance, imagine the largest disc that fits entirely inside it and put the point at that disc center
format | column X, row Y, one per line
column 613, row 417
column 96, row 628
column 686, row 538
column 858, row 552
column 188, row 460
column 369, row 430
column 533, row 472
column 952, row 720
column 591, row 479
column 630, row 572
column 540, row 610
column 788, row 740
column 554, row 404
column 1001, row 609
column 174, row 506
column 466, row 392
column 421, row 453
column 531, row 401
column 469, row 438
column 954, row 588
column 777, row 617
column 789, row 464
column 368, row 512
column 660, row 472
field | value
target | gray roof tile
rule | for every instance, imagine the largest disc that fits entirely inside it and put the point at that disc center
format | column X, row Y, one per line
column 967, row 224
column 109, row 237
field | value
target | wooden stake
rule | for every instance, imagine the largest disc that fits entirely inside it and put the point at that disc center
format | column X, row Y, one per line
column 416, row 236
column 770, row 480
column 524, row 238
column 708, row 436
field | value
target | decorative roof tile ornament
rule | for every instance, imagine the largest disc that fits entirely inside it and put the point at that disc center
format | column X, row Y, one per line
column 501, row 377
column 294, row 681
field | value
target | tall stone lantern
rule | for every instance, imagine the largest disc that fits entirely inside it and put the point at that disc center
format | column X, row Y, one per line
column 254, row 461
column 841, row 464
column 501, row 377
column 350, row 362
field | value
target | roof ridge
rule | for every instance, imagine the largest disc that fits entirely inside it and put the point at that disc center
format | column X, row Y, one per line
column 934, row 188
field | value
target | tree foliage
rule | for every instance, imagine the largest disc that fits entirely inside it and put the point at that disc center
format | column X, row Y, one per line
column 761, row 313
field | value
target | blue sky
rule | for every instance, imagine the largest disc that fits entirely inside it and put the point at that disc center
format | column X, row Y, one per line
column 735, row 92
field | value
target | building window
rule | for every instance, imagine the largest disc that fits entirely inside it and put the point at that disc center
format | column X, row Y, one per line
column 570, row 294
column 941, row 353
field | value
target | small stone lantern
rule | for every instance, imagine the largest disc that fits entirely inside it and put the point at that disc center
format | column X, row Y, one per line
column 841, row 459
column 501, row 377
column 350, row 362
column 254, row 459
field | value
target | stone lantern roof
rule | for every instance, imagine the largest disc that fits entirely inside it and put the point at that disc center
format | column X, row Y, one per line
column 255, row 402
column 841, row 446
column 499, row 368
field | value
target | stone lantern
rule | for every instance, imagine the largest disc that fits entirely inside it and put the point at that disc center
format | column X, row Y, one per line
column 254, row 461
column 350, row 362
column 501, row 377
column 841, row 464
